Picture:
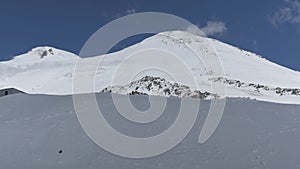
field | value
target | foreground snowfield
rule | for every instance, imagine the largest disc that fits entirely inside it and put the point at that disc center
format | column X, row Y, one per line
column 252, row 134
column 45, row 70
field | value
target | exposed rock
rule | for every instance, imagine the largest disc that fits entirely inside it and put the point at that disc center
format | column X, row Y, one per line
column 150, row 85
column 258, row 87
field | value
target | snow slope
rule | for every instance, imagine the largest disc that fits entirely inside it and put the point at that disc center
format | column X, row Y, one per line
column 41, row 70
column 46, row 70
column 252, row 134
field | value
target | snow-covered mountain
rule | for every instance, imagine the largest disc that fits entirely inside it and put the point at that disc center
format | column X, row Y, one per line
column 46, row 70
column 43, row 70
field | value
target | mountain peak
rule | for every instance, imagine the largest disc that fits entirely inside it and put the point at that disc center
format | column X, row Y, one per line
column 43, row 51
column 182, row 36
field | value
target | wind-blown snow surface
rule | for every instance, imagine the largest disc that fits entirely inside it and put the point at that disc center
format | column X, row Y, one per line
column 252, row 134
column 46, row 70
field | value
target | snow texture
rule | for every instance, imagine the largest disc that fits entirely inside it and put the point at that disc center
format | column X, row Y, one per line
column 39, row 131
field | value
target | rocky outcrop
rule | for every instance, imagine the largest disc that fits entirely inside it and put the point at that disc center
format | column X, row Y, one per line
column 258, row 87
column 150, row 85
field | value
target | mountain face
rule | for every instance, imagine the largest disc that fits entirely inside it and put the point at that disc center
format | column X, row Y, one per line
column 46, row 70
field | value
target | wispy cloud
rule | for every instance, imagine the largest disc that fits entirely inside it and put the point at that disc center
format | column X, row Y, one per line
column 288, row 14
column 254, row 42
column 211, row 28
column 214, row 27
column 110, row 15
column 130, row 11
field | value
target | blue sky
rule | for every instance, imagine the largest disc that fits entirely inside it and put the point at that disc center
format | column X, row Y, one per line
column 269, row 28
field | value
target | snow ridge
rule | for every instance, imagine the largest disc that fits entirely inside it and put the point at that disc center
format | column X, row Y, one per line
column 259, row 88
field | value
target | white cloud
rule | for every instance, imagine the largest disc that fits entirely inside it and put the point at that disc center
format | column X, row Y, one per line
column 214, row 27
column 111, row 15
column 289, row 14
column 211, row 28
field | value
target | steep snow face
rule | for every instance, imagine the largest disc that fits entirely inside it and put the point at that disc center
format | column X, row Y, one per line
column 46, row 70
